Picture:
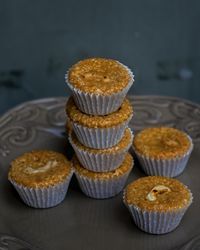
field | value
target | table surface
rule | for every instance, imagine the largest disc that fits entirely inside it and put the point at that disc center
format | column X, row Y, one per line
column 81, row 222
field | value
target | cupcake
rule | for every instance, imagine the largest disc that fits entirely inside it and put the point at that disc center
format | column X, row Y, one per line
column 68, row 127
column 99, row 85
column 41, row 178
column 162, row 151
column 103, row 185
column 102, row 160
column 157, row 204
column 99, row 131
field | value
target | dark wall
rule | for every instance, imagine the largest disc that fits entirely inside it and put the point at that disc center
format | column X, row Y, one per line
column 158, row 40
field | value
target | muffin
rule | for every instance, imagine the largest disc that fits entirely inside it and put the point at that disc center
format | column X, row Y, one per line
column 68, row 127
column 41, row 178
column 99, row 131
column 102, row 160
column 162, row 151
column 99, row 85
column 103, row 185
column 157, row 204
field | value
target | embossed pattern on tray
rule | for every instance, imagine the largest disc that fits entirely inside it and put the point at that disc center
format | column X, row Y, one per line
column 167, row 111
column 11, row 243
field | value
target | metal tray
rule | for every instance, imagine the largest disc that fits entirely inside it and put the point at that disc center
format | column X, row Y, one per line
column 80, row 222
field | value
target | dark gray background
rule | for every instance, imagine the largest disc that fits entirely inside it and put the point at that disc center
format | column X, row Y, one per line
column 39, row 40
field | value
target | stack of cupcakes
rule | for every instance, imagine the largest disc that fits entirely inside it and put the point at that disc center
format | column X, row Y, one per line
column 98, row 114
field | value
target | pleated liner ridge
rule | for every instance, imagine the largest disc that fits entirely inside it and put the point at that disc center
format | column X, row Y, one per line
column 43, row 197
column 100, row 138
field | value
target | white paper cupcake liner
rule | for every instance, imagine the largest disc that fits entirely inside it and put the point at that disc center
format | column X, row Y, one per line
column 43, row 197
column 102, row 189
column 164, row 167
column 100, row 162
column 156, row 222
column 100, row 137
column 96, row 104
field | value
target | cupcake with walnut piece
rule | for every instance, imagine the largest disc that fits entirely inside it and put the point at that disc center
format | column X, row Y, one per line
column 157, row 204
column 41, row 178
column 99, row 85
column 162, row 151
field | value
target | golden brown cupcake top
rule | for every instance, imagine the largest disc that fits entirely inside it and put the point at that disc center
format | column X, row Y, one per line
column 124, row 168
column 161, row 143
column 68, row 127
column 39, row 169
column 156, row 193
column 124, row 113
column 99, row 76
column 124, row 143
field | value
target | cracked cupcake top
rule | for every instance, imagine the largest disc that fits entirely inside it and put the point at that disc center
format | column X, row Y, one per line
column 99, row 76
column 162, row 143
column 123, row 114
column 122, row 169
column 156, row 193
column 39, row 169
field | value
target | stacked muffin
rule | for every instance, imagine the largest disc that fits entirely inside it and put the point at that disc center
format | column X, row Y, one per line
column 98, row 114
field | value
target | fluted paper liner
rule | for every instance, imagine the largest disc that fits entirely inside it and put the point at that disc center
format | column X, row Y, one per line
column 43, row 197
column 100, row 162
column 96, row 104
column 164, row 167
column 102, row 189
column 100, row 137
column 155, row 222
